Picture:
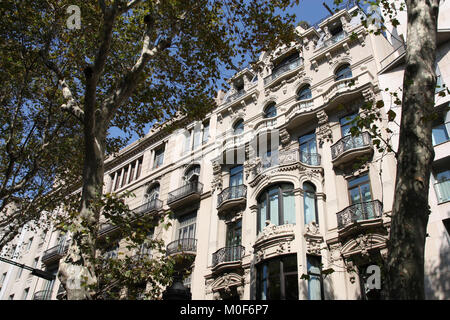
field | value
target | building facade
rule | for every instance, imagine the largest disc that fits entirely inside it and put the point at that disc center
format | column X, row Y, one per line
column 271, row 194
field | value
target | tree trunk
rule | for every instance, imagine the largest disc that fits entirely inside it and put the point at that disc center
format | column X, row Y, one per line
column 405, row 261
column 77, row 271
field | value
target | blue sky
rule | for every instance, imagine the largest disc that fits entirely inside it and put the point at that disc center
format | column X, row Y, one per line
column 307, row 10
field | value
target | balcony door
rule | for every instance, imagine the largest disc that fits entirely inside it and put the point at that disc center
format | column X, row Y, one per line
column 233, row 241
column 308, row 149
column 186, row 230
column 361, row 196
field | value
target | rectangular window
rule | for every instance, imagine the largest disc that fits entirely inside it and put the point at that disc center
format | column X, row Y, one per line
column 277, row 279
column 346, row 124
column 187, row 141
column 308, row 149
column 236, row 176
column 361, row 197
column 440, row 133
column 186, row 226
column 159, row 157
column 315, row 291
column 442, row 185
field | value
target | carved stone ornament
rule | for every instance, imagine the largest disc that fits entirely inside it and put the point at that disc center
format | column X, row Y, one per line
column 273, row 241
column 314, row 240
column 323, row 131
column 216, row 183
column 285, row 137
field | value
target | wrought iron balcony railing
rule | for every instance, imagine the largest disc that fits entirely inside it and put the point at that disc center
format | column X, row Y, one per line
column 235, row 96
column 348, row 143
column 228, row 254
column 42, row 295
column 312, row 159
column 334, row 39
column 55, row 253
column 152, row 205
column 279, row 71
column 181, row 245
column 230, row 193
column 359, row 211
column 187, row 189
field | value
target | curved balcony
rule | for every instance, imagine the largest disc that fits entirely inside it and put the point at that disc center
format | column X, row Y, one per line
column 228, row 257
column 42, row 295
column 232, row 197
column 359, row 215
column 286, row 69
column 55, row 253
column 350, row 147
column 182, row 246
column 185, row 195
column 311, row 159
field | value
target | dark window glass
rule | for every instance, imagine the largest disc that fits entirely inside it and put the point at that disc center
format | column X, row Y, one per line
column 304, row 93
column 343, row 72
column 277, row 279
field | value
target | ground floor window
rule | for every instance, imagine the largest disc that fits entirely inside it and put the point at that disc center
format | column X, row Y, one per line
column 277, row 279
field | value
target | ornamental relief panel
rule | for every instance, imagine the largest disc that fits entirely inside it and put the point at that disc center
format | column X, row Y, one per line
column 314, row 239
column 273, row 241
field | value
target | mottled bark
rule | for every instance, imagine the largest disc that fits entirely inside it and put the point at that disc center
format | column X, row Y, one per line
column 405, row 262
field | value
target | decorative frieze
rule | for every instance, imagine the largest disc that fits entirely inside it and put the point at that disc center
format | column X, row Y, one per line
column 273, row 241
column 323, row 131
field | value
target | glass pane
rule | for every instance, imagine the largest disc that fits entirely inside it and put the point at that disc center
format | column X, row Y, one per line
column 262, row 215
column 356, row 181
column 355, row 196
column 273, row 199
column 291, row 287
column 365, row 192
column 274, row 280
column 309, row 207
column 439, row 134
column 289, row 207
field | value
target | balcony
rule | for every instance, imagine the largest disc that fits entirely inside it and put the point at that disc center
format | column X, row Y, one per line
column 188, row 193
column 359, row 215
column 351, row 147
column 227, row 257
column 333, row 40
column 232, row 197
column 280, row 158
column 311, row 159
column 149, row 207
column 55, row 253
column 185, row 246
column 285, row 69
column 42, row 295
column 235, row 96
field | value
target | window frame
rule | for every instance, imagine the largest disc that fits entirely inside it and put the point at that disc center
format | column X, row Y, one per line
column 266, row 193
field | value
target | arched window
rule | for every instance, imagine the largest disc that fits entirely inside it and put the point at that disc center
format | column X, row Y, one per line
column 343, row 72
column 276, row 204
column 192, row 174
column 310, row 203
column 270, row 111
column 238, row 127
column 152, row 192
column 304, row 93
